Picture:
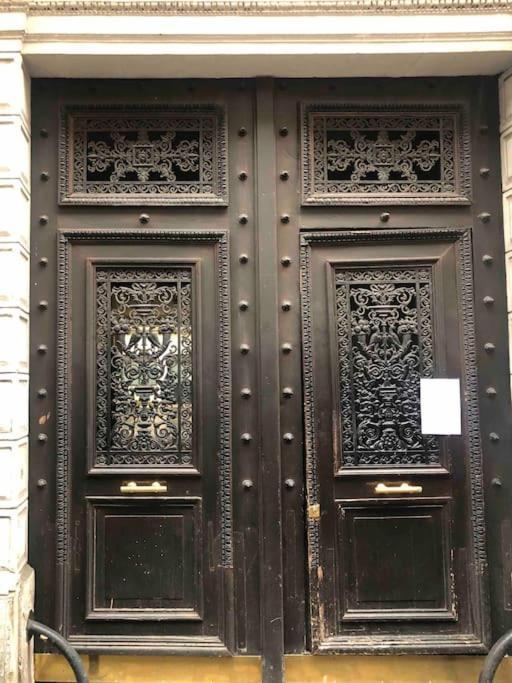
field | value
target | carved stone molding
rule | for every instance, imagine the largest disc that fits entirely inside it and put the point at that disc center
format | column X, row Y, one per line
column 251, row 7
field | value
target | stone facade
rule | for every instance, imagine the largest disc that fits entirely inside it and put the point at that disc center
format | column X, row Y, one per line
column 506, row 179
column 16, row 577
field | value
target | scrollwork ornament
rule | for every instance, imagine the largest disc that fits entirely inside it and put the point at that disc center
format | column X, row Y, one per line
column 385, row 344
column 143, row 155
column 144, row 372
column 397, row 154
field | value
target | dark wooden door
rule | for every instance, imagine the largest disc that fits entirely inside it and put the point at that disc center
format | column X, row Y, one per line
column 144, row 324
column 386, row 198
column 137, row 204
column 237, row 287
column 395, row 516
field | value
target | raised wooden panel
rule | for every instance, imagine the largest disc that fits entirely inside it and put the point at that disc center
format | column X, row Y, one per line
column 144, row 559
column 395, row 561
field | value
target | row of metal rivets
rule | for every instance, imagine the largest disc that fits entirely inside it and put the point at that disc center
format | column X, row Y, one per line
column 42, row 349
column 485, row 217
column 286, row 305
column 243, row 305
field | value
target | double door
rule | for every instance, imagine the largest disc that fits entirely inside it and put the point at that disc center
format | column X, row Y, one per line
column 237, row 287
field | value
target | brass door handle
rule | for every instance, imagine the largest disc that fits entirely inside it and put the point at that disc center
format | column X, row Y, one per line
column 133, row 487
column 403, row 487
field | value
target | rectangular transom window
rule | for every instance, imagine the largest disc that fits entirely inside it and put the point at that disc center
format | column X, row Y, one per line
column 392, row 154
column 111, row 155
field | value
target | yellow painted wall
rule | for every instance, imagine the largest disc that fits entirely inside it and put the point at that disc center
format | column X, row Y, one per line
column 299, row 669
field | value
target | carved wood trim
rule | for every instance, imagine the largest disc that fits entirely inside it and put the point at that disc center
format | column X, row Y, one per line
column 65, row 240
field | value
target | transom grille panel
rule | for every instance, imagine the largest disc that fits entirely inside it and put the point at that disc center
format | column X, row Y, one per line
column 160, row 156
column 374, row 154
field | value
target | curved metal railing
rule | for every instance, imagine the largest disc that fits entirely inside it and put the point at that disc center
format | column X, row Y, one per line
column 35, row 628
column 493, row 659
column 491, row 663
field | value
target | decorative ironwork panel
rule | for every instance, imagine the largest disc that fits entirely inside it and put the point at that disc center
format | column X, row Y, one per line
column 385, row 344
column 143, row 366
column 110, row 155
column 400, row 155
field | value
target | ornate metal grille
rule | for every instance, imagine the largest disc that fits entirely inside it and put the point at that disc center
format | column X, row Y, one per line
column 375, row 155
column 385, row 344
column 158, row 156
column 143, row 366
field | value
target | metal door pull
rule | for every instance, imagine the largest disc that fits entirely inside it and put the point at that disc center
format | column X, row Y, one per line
column 133, row 487
column 403, row 487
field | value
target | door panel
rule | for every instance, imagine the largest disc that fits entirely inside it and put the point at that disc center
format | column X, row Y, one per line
column 149, row 466
column 144, row 559
column 393, row 515
column 369, row 157
column 395, row 561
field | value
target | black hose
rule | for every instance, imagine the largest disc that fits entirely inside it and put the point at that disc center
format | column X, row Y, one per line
column 35, row 628
column 493, row 659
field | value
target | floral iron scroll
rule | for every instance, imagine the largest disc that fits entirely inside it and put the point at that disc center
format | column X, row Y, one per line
column 383, row 155
column 143, row 156
column 143, row 367
column 385, row 344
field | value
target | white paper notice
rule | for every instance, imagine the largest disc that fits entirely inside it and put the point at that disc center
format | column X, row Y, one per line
column 440, row 406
